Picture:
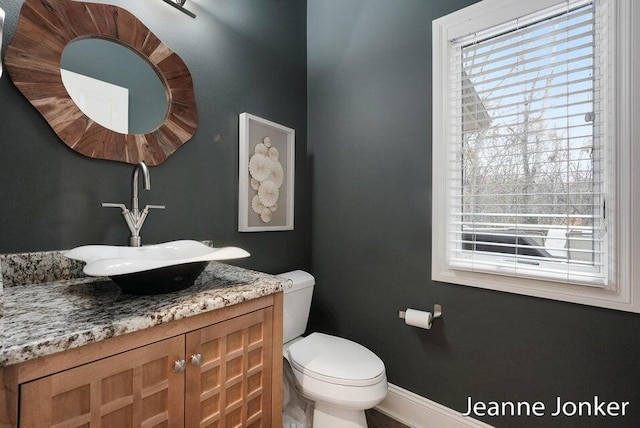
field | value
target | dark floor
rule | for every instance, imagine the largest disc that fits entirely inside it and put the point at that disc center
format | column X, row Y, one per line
column 376, row 419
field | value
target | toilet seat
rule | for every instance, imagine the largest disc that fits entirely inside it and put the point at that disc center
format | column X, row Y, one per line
column 336, row 360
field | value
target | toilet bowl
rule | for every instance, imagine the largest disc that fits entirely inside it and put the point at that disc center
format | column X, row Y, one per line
column 339, row 378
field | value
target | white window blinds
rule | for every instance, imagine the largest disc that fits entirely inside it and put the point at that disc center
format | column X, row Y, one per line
column 527, row 173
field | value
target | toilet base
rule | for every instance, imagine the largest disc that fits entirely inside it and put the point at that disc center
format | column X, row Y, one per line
column 326, row 416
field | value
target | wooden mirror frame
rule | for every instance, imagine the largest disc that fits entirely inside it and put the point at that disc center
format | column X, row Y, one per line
column 45, row 27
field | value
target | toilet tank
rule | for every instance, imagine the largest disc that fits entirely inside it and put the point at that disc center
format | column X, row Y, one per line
column 297, row 303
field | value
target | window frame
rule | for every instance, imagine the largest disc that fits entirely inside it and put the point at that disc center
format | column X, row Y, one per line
column 621, row 293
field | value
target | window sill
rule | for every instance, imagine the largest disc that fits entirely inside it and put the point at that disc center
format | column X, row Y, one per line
column 592, row 296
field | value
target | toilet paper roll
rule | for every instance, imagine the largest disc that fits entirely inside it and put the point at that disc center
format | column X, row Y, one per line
column 418, row 318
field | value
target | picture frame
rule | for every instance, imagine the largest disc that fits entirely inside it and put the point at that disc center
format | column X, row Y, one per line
column 266, row 175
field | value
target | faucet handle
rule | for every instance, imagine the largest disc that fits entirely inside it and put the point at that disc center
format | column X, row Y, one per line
column 123, row 207
column 158, row 207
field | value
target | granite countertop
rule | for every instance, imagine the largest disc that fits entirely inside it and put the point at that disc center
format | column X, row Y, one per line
column 47, row 318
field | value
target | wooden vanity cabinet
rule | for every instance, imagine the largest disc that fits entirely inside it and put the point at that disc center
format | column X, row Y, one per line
column 219, row 370
column 228, row 377
column 135, row 388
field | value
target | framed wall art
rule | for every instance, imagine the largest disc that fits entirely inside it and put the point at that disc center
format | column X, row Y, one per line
column 266, row 175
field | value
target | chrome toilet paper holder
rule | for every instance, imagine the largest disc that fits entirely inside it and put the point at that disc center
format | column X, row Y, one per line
column 437, row 313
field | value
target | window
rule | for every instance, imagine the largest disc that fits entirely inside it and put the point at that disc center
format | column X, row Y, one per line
column 532, row 149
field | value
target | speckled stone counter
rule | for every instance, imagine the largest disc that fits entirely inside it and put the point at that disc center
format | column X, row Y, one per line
column 42, row 319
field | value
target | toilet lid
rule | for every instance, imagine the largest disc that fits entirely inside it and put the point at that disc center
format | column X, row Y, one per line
column 336, row 360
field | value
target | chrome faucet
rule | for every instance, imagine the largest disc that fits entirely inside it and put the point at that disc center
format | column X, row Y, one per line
column 134, row 217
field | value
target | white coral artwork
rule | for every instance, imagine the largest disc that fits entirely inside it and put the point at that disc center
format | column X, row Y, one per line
column 255, row 184
column 265, row 215
column 261, row 149
column 273, row 153
column 256, row 205
column 277, row 174
column 260, row 167
column 268, row 193
column 267, row 176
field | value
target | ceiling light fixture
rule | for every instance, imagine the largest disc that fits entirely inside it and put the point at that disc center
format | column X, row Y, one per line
column 179, row 4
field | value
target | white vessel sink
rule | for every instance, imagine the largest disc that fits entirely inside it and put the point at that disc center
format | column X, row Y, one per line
column 152, row 269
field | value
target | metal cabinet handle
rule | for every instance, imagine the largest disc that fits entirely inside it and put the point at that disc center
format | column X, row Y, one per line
column 196, row 360
column 180, row 366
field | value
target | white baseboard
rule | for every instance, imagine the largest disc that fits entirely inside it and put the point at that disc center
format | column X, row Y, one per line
column 419, row 412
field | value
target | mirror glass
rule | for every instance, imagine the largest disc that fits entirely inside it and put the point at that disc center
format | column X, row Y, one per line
column 114, row 86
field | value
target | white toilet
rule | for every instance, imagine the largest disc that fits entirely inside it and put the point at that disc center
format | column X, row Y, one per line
column 338, row 377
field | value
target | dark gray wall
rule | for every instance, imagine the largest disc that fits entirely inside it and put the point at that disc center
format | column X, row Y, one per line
column 369, row 89
column 244, row 56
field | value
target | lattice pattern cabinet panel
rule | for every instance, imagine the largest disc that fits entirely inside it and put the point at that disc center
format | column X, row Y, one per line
column 137, row 388
column 229, row 373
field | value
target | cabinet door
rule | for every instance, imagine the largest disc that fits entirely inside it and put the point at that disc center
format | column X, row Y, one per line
column 138, row 388
column 231, row 385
